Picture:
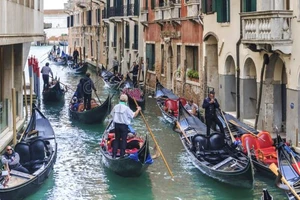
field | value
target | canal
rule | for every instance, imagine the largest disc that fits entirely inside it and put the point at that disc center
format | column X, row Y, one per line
column 79, row 173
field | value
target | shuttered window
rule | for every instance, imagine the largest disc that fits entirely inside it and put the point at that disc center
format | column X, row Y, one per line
column 136, row 37
column 223, row 10
column 136, row 8
column 72, row 21
column 115, row 36
column 208, row 6
column 127, row 32
column 152, row 4
column 150, row 57
column 68, row 22
column 249, row 5
column 89, row 17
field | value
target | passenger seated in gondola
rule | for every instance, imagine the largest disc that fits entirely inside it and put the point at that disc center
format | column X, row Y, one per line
column 192, row 107
column 75, row 104
column 11, row 160
column 93, row 103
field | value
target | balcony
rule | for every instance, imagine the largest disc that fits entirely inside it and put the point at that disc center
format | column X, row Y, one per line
column 268, row 30
column 193, row 8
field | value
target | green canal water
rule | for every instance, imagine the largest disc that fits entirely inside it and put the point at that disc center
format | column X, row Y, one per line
column 79, row 174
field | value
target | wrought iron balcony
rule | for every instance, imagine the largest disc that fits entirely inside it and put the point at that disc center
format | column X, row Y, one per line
column 270, row 30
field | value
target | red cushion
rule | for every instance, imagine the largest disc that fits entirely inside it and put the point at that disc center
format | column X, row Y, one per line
column 295, row 167
column 171, row 104
column 252, row 142
column 183, row 101
column 264, row 139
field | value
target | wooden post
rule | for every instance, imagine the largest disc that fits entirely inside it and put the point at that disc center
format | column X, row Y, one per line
column 25, row 95
column 31, row 101
column 297, row 141
column 14, row 115
column 80, row 54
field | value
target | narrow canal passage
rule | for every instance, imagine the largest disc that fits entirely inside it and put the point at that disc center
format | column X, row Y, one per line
column 79, row 173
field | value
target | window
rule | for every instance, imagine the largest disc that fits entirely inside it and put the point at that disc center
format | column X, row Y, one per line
column 115, row 36
column 208, row 6
column 192, row 57
column 150, row 57
column 72, row 21
column 178, row 56
column 249, row 5
column 127, row 35
column 98, row 13
column 68, row 21
column 3, row 102
column 89, row 17
column 223, row 10
column 92, row 48
column 146, row 4
column 162, row 53
column 136, row 37
column 107, row 36
column 152, row 4
column 136, row 8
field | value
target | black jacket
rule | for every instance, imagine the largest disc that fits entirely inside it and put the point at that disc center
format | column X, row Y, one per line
column 135, row 70
column 210, row 108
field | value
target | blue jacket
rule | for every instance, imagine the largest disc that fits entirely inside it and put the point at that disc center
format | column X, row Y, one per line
column 210, row 108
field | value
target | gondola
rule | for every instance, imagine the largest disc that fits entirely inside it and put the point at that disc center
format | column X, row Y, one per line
column 136, row 160
column 127, row 87
column 55, row 93
column 214, row 155
column 109, row 79
column 78, row 69
column 288, row 169
column 167, row 102
column 96, row 114
column 38, row 151
column 259, row 144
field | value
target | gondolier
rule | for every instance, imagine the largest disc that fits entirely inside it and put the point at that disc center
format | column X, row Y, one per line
column 134, row 72
column 122, row 115
column 210, row 104
column 87, row 86
column 45, row 72
column 75, row 55
column 115, row 65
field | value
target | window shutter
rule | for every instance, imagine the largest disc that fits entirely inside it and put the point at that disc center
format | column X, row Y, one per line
column 219, row 9
column 214, row 5
column 204, row 10
column 227, row 11
column 253, row 5
column 68, row 22
column 152, row 4
column 245, row 5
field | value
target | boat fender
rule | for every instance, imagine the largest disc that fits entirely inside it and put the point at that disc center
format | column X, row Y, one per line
column 200, row 143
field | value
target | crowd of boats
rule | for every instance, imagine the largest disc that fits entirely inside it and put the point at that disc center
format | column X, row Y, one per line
column 231, row 158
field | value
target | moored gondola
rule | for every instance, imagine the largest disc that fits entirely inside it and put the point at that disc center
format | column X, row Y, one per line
column 288, row 166
column 96, row 114
column 259, row 144
column 136, row 160
column 167, row 102
column 213, row 155
column 54, row 93
column 38, row 151
column 78, row 68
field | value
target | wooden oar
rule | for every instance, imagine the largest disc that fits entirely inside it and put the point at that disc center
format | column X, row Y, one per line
column 183, row 132
column 231, row 135
column 97, row 97
column 274, row 169
column 234, row 123
column 153, row 137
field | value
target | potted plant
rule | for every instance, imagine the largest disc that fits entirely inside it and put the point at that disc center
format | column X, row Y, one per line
column 193, row 75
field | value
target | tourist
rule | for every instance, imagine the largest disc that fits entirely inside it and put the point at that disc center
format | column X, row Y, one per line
column 46, row 70
column 11, row 159
column 121, row 116
column 192, row 107
column 210, row 104
column 87, row 86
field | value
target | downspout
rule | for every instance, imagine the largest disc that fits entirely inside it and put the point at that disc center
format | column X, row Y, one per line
column 238, row 65
column 265, row 62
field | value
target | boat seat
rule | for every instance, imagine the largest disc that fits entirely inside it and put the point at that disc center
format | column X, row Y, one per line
column 171, row 105
column 262, row 147
column 200, row 142
column 182, row 100
column 37, row 153
column 295, row 167
column 22, row 148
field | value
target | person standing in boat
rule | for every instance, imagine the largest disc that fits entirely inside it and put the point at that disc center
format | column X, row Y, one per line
column 75, row 56
column 135, row 72
column 11, row 159
column 115, row 65
column 122, row 116
column 87, row 86
column 210, row 104
column 46, row 70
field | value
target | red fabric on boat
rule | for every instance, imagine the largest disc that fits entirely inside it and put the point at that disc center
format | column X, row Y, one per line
column 295, row 167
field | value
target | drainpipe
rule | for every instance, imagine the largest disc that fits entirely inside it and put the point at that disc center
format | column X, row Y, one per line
column 265, row 62
column 238, row 65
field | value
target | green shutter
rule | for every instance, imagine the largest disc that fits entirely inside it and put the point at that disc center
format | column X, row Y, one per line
column 228, row 10
column 204, row 6
column 244, row 5
column 213, row 5
column 253, row 5
column 219, row 9
column 152, row 4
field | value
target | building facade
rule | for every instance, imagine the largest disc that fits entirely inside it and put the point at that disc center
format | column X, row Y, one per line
column 87, row 32
column 250, row 60
column 173, row 45
column 17, row 31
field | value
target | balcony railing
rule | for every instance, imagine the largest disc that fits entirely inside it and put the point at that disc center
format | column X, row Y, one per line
column 116, row 12
column 267, row 27
column 131, row 10
column 193, row 8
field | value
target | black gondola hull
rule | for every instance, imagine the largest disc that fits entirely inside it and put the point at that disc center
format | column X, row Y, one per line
column 95, row 115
